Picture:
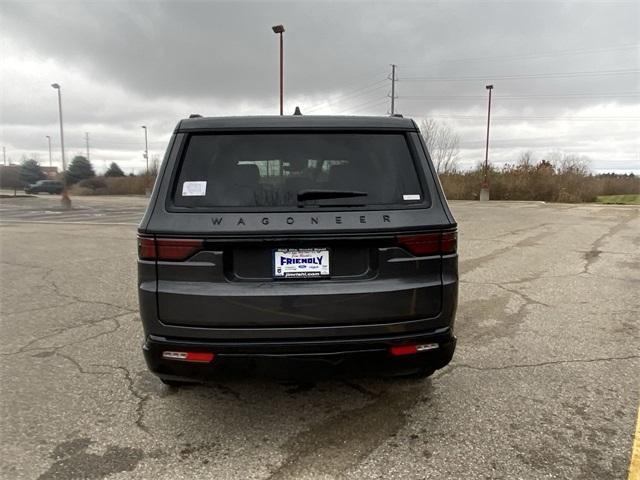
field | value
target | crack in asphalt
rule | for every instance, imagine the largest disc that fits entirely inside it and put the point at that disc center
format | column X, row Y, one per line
column 24, row 265
column 528, row 301
column 142, row 400
column 78, row 365
column 59, row 331
column 543, row 364
column 38, row 309
column 331, row 447
column 594, row 252
column 467, row 266
column 78, row 299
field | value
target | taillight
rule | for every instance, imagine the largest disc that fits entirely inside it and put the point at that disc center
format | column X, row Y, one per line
column 436, row 243
column 146, row 248
column 167, row 249
column 400, row 350
column 197, row 357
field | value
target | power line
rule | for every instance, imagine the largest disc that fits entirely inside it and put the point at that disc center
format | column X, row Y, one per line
column 352, row 94
column 357, row 107
column 518, row 76
column 375, row 104
column 532, row 117
column 556, row 53
column 367, row 91
column 520, row 97
column 471, row 143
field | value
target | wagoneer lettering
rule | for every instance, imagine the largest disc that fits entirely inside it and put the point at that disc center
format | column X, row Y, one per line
column 303, row 246
column 306, row 220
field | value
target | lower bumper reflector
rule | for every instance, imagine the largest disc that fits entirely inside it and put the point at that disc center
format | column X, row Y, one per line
column 201, row 357
column 399, row 350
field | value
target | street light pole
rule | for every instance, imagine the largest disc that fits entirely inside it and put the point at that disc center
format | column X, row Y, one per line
column 50, row 162
column 65, row 200
column 57, row 87
column 146, row 147
column 484, row 191
column 279, row 29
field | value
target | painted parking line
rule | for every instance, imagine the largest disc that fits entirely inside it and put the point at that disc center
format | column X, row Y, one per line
column 634, row 465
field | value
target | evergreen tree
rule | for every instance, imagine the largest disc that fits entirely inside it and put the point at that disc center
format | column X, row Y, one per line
column 114, row 171
column 30, row 172
column 79, row 169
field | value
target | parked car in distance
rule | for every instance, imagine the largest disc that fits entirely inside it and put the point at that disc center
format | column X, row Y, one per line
column 44, row 186
column 290, row 240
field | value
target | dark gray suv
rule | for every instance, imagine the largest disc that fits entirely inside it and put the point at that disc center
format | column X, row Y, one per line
column 297, row 240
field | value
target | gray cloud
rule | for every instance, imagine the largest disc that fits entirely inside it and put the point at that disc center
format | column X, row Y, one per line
column 154, row 62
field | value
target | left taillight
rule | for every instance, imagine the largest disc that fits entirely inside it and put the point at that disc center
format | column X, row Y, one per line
column 167, row 249
column 433, row 243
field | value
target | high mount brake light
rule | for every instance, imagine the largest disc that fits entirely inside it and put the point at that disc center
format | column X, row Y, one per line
column 167, row 249
column 436, row 243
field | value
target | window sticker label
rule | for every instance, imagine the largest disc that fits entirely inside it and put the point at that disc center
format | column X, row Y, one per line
column 411, row 197
column 194, row 189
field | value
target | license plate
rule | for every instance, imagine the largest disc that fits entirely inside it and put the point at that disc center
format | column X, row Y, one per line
column 300, row 262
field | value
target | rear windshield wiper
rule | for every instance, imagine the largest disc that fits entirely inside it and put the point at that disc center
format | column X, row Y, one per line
column 325, row 194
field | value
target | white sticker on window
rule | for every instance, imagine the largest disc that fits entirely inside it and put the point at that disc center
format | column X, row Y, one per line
column 194, row 189
column 411, row 197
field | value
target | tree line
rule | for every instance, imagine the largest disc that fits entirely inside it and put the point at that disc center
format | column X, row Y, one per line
column 30, row 171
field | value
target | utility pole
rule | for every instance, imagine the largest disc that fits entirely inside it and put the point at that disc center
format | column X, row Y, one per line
column 484, row 190
column 393, row 88
column 4, row 156
column 86, row 137
column 50, row 161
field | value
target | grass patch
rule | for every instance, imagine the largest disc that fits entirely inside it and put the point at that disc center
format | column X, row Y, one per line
column 619, row 199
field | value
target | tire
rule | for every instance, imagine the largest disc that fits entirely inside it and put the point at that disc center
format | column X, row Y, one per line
column 415, row 373
column 424, row 372
column 177, row 383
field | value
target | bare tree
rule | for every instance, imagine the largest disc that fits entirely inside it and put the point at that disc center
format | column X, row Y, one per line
column 526, row 160
column 443, row 144
column 155, row 165
column 569, row 163
column 578, row 164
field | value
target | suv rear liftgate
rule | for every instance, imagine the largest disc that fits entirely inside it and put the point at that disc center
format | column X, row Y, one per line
column 275, row 255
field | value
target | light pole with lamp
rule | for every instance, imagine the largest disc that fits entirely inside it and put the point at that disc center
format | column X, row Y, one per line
column 484, row 190
column 279, row 30
column 65, row 200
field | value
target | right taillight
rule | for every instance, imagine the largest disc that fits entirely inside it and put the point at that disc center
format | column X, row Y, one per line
column 434, row 243
column 167, row 249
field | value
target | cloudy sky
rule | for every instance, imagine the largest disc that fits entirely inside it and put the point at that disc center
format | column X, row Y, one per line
column 566, row 74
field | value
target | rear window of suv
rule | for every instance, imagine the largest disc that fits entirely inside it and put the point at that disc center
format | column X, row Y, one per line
column 292, row 170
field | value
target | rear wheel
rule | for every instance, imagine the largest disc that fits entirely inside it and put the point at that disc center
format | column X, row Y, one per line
column 177, row 383
column 424, row 372
column 414, row 372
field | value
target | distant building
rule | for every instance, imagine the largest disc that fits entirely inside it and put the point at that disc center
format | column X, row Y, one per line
column 50, row 172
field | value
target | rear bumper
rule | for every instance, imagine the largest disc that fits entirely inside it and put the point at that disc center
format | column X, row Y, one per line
column 362, row 355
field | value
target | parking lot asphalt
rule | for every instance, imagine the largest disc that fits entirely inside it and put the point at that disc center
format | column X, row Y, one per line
column 544, row 383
